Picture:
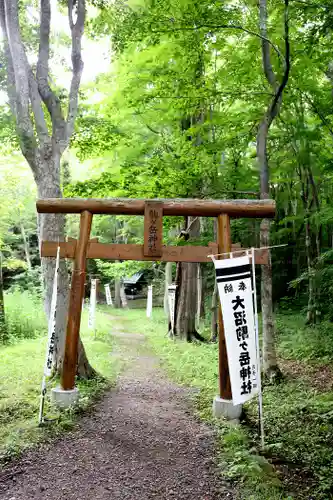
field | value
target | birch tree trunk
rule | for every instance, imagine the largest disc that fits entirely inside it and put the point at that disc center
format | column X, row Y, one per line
column 30, row 99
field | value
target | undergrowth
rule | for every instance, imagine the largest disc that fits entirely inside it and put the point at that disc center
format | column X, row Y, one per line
column 25, row 317
column 21, row 371
column 298, row 420
column 306, row 343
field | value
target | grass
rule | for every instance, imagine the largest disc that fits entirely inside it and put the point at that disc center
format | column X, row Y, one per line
column 298, row 418
column 25, row 318
column 21, row 371
column 312, row 343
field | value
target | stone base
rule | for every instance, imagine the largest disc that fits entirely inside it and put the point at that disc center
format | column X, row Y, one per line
column 64, row 399
column 225, row 408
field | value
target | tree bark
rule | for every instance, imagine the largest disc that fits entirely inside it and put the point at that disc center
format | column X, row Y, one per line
column 187, row 302
column 3, row 326
column 52, row 228
column 30, row 97
column 214, row 314
column 186, row 305
column 270, row 365
column 199, row 297
column 117, row 297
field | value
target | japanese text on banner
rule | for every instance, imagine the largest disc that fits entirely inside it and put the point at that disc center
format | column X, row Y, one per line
column 234, row 282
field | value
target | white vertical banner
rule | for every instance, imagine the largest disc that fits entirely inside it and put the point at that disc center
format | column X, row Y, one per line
column 92, row 306
column 172, row 305
column 123, row 295
column 234, row 283
column 108, row 295
column 51, row 337
column 52, row 320
column 150, row 301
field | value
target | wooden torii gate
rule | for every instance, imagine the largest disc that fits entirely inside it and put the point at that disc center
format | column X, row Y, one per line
column 152, row 249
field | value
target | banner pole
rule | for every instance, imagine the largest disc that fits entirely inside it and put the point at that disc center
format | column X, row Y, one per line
column 224, row 245
column 256, row 327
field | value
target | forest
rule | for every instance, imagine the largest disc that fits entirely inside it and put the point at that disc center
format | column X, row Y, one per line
column 158, row 99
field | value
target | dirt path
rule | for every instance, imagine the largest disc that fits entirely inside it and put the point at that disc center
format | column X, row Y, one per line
column 139, row 443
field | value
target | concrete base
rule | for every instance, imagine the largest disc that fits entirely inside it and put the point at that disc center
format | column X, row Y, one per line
column 225, row 408
column 64, row 399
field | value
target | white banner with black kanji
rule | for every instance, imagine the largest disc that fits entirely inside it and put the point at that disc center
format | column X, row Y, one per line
column 172, row 305
column 52, row 320
column 234, row 282
column 108, row 295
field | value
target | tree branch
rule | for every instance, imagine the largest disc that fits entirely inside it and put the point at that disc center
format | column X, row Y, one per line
column 266, row 54
column 37, row 109
column 275, row 104
column 77, row 63
column 278, row 95
column 226, row 26
column 9, row 62
column 21, row 77
column 42, row 75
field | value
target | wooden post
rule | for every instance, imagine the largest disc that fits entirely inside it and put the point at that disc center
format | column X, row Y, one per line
column 224, row 245
column 75, row 303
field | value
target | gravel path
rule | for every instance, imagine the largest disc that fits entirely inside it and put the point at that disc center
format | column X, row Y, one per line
column 139, row 443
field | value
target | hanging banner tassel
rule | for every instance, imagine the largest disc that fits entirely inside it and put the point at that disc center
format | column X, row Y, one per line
column 150, row 301
column 172, row 306
column 92, row 306
column 51, row 338
column 233, row 278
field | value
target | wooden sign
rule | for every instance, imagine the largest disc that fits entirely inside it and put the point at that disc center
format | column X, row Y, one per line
column 153, row 229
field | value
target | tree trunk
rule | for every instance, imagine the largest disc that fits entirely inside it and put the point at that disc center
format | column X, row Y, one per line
column 214, row 314
column 52, row 227
column 3, row 326
column 186, row 305
column 311, row 309
column 123, row 297
column 187, row 302
column 271, row 368
column 199, row 297
column 270, row 364
column 26, row 246
column 117, row 297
